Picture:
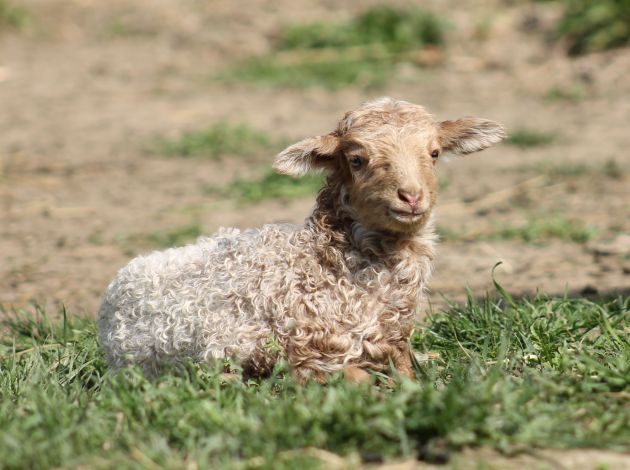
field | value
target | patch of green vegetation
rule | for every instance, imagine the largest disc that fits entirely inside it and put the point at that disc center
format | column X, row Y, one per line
column 613, row 169
column 443, row 183
column 120, row 26
column 568, row 94
column 563, row 170
column 590, row 26
column 447, row 234
column 511, row 374
column 363, row 50
column 217, row 141
column 537, row 230
column 13, row 16
column 117, row 27
column 164, row 239
column 540, row 229
column 384, row 26
column 525, row 138
column 332, row 73
column 536, row 342
column 96, row 239
column 126, row 26
column 483, row 29
column 271, row 185
column 609, row 169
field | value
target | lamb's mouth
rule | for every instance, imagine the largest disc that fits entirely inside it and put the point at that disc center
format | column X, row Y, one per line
column 405, row 216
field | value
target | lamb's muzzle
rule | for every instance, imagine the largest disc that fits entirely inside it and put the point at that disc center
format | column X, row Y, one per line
column 341, row 291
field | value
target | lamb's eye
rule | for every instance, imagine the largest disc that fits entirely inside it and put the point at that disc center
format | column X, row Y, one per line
column 356, row 163
column 435, row 154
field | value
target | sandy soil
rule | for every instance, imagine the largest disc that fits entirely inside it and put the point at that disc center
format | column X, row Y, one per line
column 86, row 87
column 541, row 459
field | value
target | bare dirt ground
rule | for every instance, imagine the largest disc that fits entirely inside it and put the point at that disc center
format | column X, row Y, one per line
column 88, row 84
column 485, row 458
column 542, row 459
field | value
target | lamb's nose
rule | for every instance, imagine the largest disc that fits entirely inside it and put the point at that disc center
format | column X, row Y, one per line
column 410, row 198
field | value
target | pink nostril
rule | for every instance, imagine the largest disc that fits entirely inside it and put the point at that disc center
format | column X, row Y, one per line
column 410, row 198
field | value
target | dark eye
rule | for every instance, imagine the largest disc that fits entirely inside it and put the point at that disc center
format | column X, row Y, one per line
column 356, row 163
column 435, row 154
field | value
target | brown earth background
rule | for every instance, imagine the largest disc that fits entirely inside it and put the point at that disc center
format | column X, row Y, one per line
column 87, row 85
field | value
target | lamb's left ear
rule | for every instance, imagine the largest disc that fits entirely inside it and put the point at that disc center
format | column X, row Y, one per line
column 309, row 154
column 470, row 134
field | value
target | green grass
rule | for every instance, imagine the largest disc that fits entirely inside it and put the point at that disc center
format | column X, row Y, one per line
column 383, row 26
column 563, row 170
column 167, row 238
column 590, row 26
column 221, row 139
column 363, row 50
column 270, row 185
column 610, row 168
column 571, row 94
column 537, row 230
column 541, row 229
column 526, row 138
column 448, row 234
column 443, row 183
column 593, row 26
column 512, row 375
column 332, row 73
column 13, row 16
column 126, row 27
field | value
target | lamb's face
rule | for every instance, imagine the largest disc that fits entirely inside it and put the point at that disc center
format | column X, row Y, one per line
column 387, row 160
column 385, row 154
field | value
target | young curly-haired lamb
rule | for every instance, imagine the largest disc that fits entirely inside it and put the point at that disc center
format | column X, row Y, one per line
column 339, row 293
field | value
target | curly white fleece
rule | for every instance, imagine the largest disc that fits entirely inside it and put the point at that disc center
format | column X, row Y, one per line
column 228, row 295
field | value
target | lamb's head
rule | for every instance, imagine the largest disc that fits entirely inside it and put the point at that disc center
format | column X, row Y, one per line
column 383, row 156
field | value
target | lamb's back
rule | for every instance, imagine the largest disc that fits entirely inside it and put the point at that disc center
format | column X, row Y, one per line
column 198, row 301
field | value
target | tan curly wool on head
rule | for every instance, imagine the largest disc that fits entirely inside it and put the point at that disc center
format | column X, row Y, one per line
column 340, row 292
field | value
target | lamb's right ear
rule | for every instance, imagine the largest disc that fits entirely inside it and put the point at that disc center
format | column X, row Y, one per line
column 308, row 154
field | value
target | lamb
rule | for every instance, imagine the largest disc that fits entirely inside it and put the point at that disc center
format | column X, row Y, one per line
column 339, row 293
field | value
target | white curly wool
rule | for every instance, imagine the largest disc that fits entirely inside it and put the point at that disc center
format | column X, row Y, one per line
column 227, row 296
